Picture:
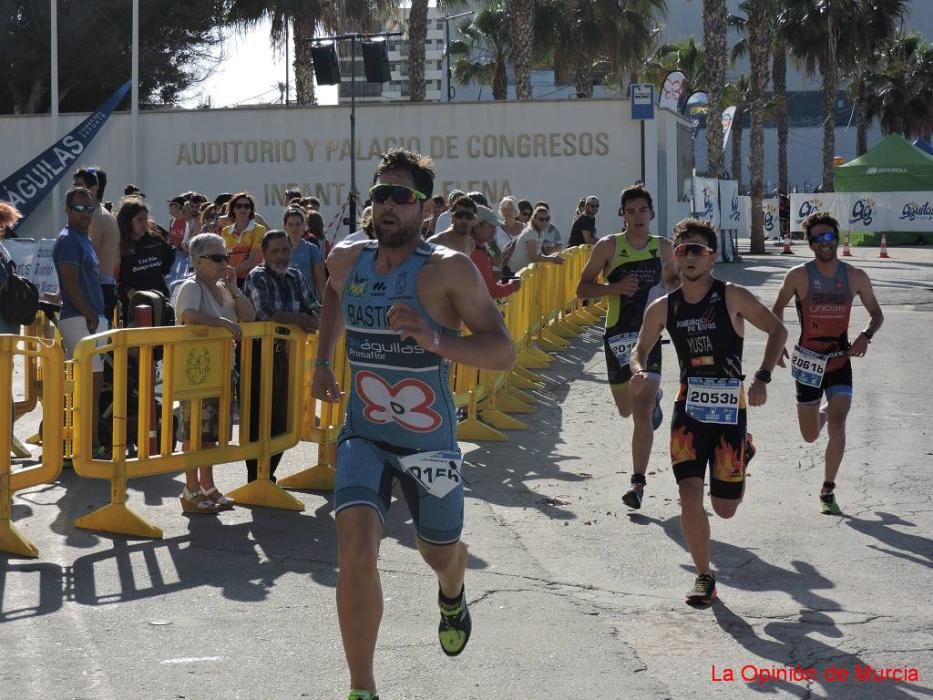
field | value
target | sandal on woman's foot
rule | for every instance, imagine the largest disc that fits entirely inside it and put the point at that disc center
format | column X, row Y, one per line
column 197, row 502
column 217, row 497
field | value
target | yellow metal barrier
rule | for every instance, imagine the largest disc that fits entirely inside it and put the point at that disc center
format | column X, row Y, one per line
column 197, row 365
column 48, row 358
column 322, row 422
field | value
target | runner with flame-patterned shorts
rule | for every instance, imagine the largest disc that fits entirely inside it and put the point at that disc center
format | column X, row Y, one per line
column 709, row 422
column 695, row 444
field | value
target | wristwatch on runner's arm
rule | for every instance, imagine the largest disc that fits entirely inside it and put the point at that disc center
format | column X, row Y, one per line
column 763, row 376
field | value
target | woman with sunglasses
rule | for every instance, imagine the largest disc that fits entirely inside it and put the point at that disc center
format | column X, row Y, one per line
column 706, row 318
column 243, row 238
column 528, row 247
column 209, row 298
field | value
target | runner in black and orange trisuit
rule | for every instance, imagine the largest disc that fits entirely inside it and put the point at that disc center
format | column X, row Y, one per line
column 638, row 268
column 824, row 289
column 705, row 318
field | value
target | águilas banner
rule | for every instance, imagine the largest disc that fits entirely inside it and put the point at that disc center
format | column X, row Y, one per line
column 706, row 200
column 29, row 185
column 728, row 116
column 672, row 91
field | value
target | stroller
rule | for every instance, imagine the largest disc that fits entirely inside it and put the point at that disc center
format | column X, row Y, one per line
column 163, row 314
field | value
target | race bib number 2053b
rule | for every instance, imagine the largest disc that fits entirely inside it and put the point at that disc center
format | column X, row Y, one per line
column 713, row 400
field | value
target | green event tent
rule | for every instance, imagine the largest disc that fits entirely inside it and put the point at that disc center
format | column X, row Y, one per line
column 894, row 165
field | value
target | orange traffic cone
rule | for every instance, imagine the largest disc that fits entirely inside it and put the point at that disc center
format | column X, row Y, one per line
column 884, row 247
column 787, row 250
column 846, row 251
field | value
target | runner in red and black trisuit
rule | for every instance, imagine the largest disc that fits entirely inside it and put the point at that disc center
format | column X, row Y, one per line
column 824, row 289
column 705, row 318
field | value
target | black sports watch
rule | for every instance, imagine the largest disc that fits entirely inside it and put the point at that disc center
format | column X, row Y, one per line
column 868, row 333
column 763, row 376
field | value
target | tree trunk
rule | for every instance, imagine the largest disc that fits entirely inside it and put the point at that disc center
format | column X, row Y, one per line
column 714, row 39
column 417, row 35
column 779, row 86
column 500, row 82
column 758, row 45
column 304, row 69
column 829, row 124
column 861, row 117
column 583, row 74
column 737, row 144
column 520, row 16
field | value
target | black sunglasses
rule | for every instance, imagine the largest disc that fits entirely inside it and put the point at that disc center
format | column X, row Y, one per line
column 83, row 208
column 543, row 219
column 242, row 205
column 400, row 194
column 215, row 257
column 464, row 214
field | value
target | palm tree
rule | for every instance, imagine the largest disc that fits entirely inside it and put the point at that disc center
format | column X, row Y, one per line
column 617, row 35
column 686, row 56
column 826, row 35
column 521, row 16
column 759, row 43
column 738, row 92
column 714, row 41
column 481, row 56
column 417, row 36
column 900, row 92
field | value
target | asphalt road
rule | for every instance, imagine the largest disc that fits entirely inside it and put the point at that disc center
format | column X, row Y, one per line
column 572, row 595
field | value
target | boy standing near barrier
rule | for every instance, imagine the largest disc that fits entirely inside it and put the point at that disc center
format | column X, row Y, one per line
column 706, row 318
column 401, row 301
column 634, row 264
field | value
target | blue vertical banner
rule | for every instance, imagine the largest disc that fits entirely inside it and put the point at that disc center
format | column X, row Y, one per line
column 29, row 185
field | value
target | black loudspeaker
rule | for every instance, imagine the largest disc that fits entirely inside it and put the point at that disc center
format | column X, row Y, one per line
column 326, row 69
column 376, row 61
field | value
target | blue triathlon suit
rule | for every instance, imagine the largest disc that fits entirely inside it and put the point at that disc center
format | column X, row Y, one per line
column 400, row 401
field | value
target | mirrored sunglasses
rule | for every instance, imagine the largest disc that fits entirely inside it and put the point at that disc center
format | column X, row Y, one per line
column 83, row 208
column 400, row 194
column 828, row 237
column 697, row 249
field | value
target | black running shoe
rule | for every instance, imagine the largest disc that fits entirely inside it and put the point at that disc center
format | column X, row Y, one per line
column 455, row 626
column 703, row 591
column 634, row 497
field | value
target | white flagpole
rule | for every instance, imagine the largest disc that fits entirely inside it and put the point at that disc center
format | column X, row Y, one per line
column 134, row 98
column 56, row 191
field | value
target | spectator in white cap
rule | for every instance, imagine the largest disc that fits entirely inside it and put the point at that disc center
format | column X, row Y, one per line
column 484, row 230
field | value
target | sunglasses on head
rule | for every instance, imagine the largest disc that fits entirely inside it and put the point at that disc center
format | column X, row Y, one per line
column 464, row 214
column 400, row 194
column 242, row 205
column 216, row 257
column 698, row 249
column 827, row 237
column 83, row 208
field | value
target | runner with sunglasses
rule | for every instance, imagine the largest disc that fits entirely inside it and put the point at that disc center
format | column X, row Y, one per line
column 706, row 318
column 402, row 301
column 458, row 235
column 637, row 267
column 823, row 290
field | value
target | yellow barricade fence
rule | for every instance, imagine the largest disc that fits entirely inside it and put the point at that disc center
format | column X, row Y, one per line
column 41, row 327
column 46, row 357
column 197, row 365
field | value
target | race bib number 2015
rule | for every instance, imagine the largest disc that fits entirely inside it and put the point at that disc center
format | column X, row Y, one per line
column 713, row 400
column 622, row 345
